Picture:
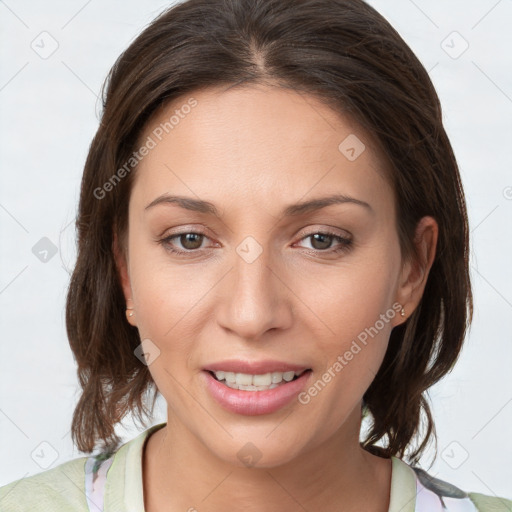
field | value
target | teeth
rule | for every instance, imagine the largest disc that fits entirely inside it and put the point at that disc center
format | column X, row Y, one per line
column 277, row 377
column 262, row 380
column 244, row 379
column 250, row 388
column 229, row 376
column 288, row 376
column 248, row 382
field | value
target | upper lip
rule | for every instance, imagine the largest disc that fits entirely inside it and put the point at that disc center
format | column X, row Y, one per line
column 254, row 367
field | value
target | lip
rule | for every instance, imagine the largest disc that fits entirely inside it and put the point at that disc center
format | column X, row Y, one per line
column 252, row 403
column 254, row 367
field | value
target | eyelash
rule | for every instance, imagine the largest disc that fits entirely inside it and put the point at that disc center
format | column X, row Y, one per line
column 345, row 243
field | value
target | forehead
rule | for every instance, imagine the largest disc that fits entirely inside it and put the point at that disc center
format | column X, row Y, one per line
column 257, row 144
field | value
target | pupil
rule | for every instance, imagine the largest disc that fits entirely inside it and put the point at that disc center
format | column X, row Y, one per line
column 188, row 239
column 320, row 236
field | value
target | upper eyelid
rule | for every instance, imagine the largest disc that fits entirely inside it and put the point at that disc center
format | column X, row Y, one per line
column 328, row 230
column 303, row 232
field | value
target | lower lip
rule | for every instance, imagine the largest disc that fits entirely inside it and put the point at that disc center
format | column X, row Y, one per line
column 252, row 403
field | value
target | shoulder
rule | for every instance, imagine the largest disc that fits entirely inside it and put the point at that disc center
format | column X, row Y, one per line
column 487, row 503
column 81, row 484
column 436, row 494
column 57, row 489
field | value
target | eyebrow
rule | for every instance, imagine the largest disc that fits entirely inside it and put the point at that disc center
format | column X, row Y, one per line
column 301, row 208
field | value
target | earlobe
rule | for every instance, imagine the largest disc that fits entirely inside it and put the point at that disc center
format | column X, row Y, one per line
column 129, row 312
column 415, row 271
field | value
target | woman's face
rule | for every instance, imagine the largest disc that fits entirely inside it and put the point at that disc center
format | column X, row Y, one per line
column 260, row 286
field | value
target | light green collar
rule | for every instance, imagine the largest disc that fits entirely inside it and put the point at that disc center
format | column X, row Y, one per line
column 124, row 490
column 403, row 487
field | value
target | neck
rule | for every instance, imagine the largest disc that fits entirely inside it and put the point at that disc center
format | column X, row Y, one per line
column 181, row 473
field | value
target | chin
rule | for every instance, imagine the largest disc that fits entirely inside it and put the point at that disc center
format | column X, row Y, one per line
column 256, row 450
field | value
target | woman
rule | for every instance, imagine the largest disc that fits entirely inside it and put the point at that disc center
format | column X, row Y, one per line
column 272, row 235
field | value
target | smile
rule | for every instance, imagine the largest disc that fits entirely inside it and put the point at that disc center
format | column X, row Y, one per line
column 254, row 394
column 262, row 382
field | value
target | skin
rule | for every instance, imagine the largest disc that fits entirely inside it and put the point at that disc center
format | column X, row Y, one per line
column 252, row 151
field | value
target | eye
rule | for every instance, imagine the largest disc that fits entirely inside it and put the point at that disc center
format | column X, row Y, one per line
column 190, row 241
column 321, row 241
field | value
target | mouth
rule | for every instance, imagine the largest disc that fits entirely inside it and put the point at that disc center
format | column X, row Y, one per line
column 254, row 387
column 256, row 382
column 255, row 393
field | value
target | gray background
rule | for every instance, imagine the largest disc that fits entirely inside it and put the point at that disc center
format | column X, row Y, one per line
column 49, row 114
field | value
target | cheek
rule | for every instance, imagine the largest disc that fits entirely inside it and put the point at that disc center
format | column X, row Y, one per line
column 169, row 305
column 167, row 294
column 169, row 313
column 350, row 300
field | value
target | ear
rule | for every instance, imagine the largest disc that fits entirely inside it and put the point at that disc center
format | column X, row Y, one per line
column 124, row 276
column 414, row 274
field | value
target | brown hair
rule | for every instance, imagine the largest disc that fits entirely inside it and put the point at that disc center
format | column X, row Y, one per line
column 349, row 56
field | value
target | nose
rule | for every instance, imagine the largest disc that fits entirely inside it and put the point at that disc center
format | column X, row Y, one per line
column 254, row 297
